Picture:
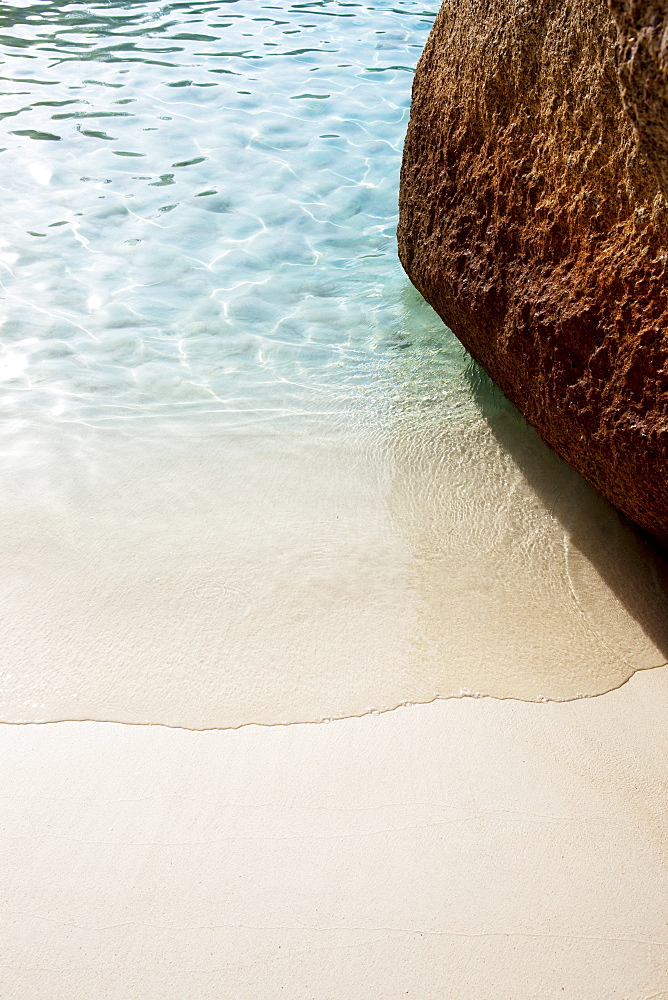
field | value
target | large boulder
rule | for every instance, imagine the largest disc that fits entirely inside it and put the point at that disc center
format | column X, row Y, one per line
column 534, row 219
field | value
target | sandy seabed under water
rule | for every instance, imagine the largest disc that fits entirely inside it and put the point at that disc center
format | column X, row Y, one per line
column 213, row 582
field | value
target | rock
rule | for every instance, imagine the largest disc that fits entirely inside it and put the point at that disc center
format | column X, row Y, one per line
column 642, row 36
column 533, row 218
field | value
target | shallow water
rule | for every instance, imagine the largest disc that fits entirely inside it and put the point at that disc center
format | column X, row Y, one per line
column 247, row 474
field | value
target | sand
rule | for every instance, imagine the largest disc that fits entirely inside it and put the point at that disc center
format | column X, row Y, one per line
column 168, row 603
column 469, row 848
column 219, row 580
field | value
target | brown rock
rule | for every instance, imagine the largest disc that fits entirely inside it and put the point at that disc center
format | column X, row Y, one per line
column 532, row 218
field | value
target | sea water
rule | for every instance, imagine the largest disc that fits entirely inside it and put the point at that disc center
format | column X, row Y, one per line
column 247, row 475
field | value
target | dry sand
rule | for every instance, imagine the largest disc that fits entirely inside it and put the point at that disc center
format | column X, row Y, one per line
column 469, row 849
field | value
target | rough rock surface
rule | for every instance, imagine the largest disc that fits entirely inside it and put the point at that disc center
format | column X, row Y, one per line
column 533, row 217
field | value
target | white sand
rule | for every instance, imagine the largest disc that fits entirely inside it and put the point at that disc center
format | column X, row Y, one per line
column 464, row 849
column 468, row 849
column 229, row 579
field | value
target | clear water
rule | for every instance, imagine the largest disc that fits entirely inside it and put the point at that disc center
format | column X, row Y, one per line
column 200, row 207
column 247, row 473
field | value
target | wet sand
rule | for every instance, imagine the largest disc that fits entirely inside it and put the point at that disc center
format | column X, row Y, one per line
column 216, row 581
column 470, row 848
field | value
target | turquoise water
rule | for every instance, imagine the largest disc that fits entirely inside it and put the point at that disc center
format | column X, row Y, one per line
column 247, row 475
column 200, row 208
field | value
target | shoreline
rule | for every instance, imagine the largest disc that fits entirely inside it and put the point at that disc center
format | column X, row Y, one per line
column 209, row 584
column 465, row 848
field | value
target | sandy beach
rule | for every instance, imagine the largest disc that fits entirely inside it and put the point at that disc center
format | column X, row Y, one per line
column 223, row 581
column 469, row 848
column 321, row 676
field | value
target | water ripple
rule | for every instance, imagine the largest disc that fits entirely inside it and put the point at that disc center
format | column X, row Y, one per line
column 272, row 258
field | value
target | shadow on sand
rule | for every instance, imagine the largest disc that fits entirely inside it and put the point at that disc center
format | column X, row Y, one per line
column 601, row 540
